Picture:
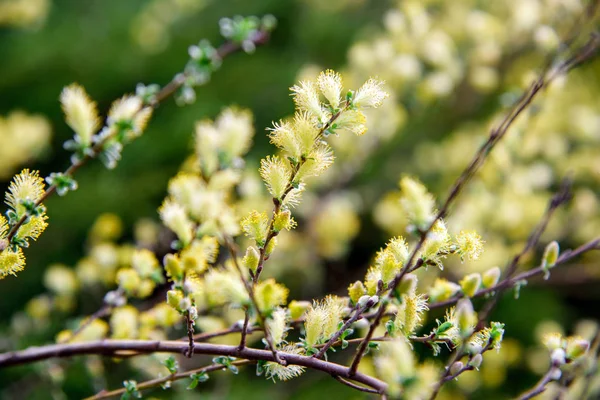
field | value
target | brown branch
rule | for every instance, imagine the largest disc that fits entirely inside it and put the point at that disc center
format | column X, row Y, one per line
column 244, row 330
column 540, row 387
column 508, row 283
column 110, row 347
column 170, row 378
column 582, row 55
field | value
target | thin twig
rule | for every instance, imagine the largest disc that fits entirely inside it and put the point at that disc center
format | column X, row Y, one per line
column 290, row 186
column 250, row 289
column 354, row 385
column 100, row 313
column 244, row 330
column 190, row 333
column 169, row 378
column 508, row 283
column 540, row 387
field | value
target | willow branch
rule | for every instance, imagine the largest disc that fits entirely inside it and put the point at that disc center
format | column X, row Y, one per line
column 540, row 387
column 583, row 54
column 110, row 347
column 508, row 283
column 167, row 91
column 279, row 202
column 169, row 378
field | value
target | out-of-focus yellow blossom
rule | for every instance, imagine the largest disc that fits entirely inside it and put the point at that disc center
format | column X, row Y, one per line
column 298, row 308
column 107, row 227
column 94, row 330
column 224, row 286
column 470, row 284
column 196, row 257
column 39, row 307
column 395, row 363
column 61, row 280
column 24, row 13
column 129, row 280
column 334, row 225
column 174, row 217
column 22, row 137
column 150, row 29
column 146, row 232
column 124, row 323
column 417, row 202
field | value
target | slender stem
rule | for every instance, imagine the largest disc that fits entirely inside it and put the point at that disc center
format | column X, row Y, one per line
column 244, row 330
column 101, row 312
column 354, row 385
column 458, row 354
column 279, row 202
column 169, row 378
column 582, row 55
column 455, row 375
column 190, row 333
column 250, row 289
column 112, row 347
column 540, row 387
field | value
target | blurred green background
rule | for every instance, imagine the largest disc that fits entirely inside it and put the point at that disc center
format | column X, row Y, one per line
column 94, row 43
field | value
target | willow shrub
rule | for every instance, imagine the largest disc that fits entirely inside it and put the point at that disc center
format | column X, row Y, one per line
column 224, row 231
